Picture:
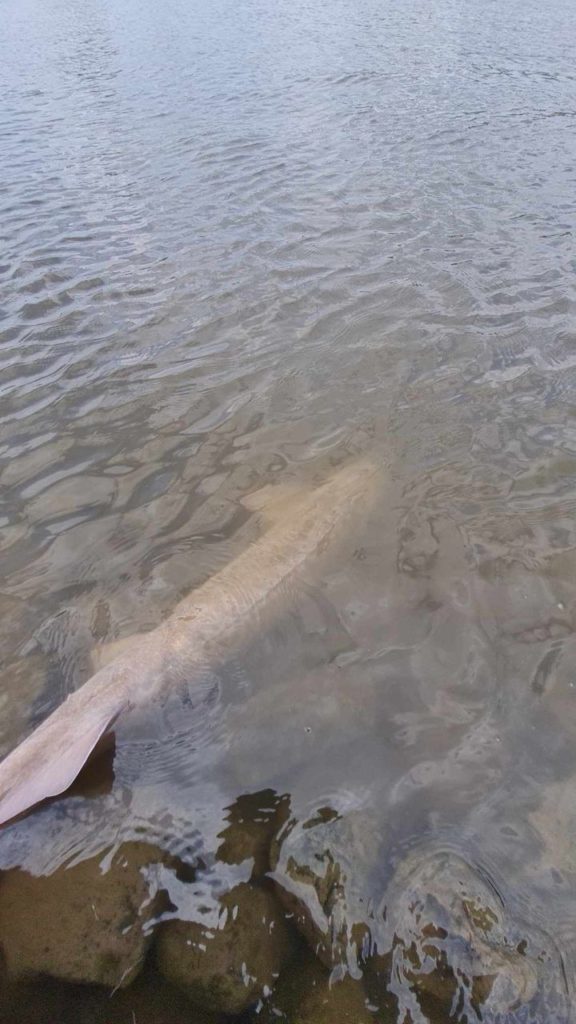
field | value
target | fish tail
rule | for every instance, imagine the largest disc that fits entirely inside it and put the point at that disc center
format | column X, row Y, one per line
column 50, row 759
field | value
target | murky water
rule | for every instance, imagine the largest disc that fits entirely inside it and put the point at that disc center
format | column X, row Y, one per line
column 243, row 244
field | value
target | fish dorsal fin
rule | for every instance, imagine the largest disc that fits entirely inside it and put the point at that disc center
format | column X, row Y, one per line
column 273, row 501
column 56, row 770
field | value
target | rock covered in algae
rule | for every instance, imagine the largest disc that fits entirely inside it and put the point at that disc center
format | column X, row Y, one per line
column 305, row 995
column 82, row 923
column 228, row 967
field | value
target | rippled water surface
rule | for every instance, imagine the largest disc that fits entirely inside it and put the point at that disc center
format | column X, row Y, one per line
column 242, row 245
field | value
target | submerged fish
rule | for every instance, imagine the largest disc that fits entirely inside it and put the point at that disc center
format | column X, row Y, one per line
column 147, row 668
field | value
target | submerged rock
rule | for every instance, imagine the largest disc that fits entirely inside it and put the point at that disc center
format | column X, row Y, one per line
column 325, row 870
column 439, row 936
column 154, row 1001
column 81, row 924
column 229, row 967
column 42, row 1002
column 450, row 944
column 148, row 1001
column 305, row 995
column 252, row 822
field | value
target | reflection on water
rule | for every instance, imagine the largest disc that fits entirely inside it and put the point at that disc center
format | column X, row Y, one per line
column 242, row 244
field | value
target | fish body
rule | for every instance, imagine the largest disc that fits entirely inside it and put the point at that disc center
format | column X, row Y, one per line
column 223, row 610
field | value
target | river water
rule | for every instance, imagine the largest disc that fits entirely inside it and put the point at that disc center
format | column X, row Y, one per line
column 243, row 244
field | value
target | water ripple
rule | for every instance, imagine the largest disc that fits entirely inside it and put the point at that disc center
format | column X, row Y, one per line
column 240, row 244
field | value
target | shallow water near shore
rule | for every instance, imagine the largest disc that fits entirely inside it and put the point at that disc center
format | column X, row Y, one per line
column 242, row 246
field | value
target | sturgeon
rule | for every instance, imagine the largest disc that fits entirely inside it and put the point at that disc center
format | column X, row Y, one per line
column 145, row 668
